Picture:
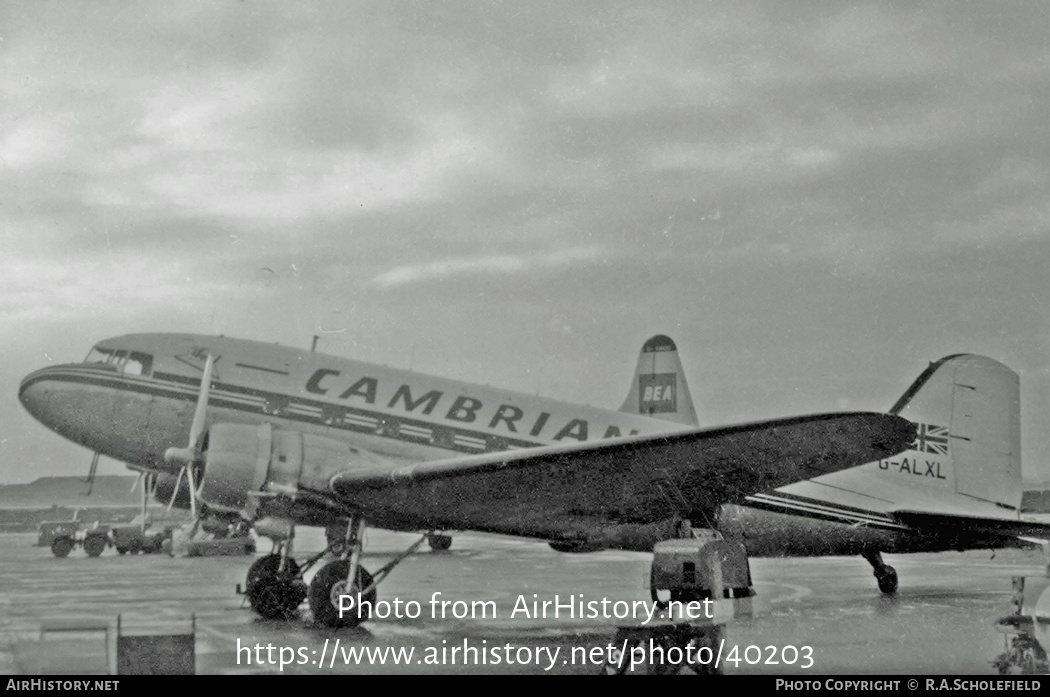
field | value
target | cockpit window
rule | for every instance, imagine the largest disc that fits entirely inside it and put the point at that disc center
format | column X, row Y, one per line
column 104, row 356
column 129, row 363
column 138, row 364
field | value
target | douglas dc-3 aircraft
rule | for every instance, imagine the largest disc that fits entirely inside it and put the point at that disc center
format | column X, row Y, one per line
column 280, row 436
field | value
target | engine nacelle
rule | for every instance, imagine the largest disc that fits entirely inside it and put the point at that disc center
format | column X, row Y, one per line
column 245, row 464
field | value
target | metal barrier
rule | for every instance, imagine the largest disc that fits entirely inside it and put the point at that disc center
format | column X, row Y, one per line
column 155, row 653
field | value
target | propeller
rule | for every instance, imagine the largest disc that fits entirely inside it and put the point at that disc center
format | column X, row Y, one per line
column 147, row 480
column 90, row 481
column 189, row 456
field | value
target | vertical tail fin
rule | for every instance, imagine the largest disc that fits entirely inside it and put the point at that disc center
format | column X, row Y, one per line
column 969, row 426
column 659, row 388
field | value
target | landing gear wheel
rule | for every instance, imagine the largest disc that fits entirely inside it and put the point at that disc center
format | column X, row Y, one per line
column 94, row 545
column 887, row 579
column 439, row 543
column 326, row 587
column 272, row 594
column 61, row 547
column 122, row 551
column 135, row 545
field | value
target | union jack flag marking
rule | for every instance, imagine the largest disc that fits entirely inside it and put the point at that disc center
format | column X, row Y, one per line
column 931, row 439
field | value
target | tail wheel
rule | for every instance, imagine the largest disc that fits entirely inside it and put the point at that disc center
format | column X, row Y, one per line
column 271, row 593
column 61, row 547
column 94, row 545
column 329, row 583
column 886, row 577
column 439, row 543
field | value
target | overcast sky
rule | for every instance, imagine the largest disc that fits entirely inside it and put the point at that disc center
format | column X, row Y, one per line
column 813, row 199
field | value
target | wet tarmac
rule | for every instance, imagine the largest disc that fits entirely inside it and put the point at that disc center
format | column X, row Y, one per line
column 824, row 613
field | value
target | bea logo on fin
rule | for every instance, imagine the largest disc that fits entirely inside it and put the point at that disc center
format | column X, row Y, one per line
column 657, row 393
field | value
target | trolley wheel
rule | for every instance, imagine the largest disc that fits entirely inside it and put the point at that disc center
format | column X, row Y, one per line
column 61, row 547
column 94, row 545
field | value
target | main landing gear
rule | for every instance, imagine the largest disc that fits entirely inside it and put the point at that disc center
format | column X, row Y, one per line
column 885, row 575
column 274, row 585
column 341, row 594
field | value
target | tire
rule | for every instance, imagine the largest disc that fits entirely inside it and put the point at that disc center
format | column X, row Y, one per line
column 329, row 583
column 887, row 580
column 94, row 545
column 261, row 568
column 271, row 595
column 61, row 547
column 122, row 551
column 439, row 543
column 135, row 545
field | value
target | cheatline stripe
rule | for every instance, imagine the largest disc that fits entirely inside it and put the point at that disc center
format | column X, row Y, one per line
column 785, row 496
column 804, row 512
column 821, row 510
column 818, row 505
column 237, row 398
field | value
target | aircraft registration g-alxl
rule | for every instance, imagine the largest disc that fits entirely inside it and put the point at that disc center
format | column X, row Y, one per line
column 281, row 437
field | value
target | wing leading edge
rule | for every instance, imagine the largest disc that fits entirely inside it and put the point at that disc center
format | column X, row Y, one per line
column 581, row 491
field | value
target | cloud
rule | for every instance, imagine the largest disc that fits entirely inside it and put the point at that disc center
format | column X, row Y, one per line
column 501, row 170
column 493, row 266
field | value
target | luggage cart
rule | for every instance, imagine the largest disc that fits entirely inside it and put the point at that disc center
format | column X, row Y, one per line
column 700, row 585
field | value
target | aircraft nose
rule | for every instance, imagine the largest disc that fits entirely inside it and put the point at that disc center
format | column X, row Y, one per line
column 32, row 393
column 39, row 391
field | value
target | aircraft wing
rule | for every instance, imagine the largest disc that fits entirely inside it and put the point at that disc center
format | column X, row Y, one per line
column 952, row 525
column 574, row 492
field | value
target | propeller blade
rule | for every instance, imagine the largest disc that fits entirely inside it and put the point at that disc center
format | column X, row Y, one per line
column 193, row 491
column 202, row 404
column 189, row 454
column 175, row 492
column 135, row 484
column 90, row 481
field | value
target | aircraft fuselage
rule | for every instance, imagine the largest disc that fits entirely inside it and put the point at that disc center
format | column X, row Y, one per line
column 135, row 395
